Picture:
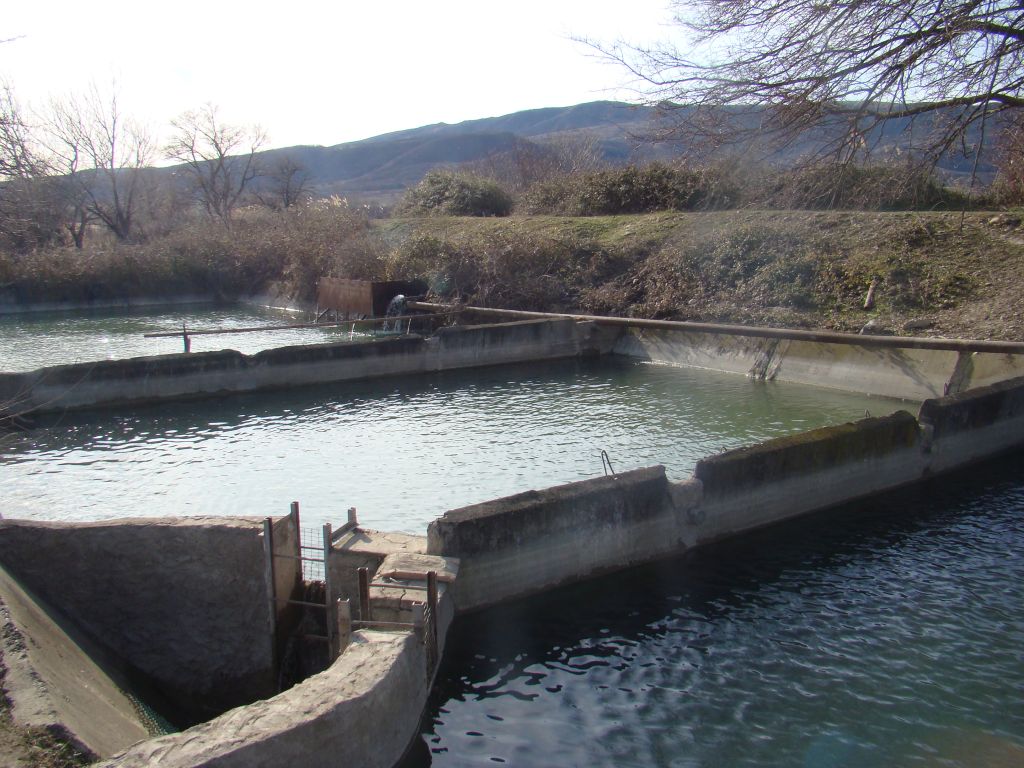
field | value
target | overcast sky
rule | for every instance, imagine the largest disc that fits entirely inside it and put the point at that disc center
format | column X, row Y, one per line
column 325, row 72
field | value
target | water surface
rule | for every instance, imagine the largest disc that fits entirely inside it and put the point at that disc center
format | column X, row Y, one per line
column 34, row 340
column 888, row 634
column 402, row 450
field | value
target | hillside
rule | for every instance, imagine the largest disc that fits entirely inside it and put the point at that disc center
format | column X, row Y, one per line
column 777, row 268
column 381, row 167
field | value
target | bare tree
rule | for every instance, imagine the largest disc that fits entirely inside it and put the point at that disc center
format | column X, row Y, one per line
column 285, row 184
column 31, row 204
column 787, row 66
column 1010, row 160
column 102, row 152
column 527, row 162
column 219, row 158
column 19, row 157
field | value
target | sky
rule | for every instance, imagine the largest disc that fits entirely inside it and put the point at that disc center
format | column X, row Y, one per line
column 324, row 72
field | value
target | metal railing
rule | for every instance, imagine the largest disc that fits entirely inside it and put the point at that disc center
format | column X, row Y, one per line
column 424, row 615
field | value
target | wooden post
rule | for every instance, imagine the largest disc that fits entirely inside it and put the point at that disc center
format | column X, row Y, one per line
column 185, row 339
column 432, row 602
column 293, row 513
column 271, row 587
column 344, row 611
column 330, row 607
column 418, row 621
column 364, row 594
column 352, row 517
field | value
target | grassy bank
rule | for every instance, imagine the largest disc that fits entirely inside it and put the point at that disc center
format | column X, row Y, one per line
column 933, row 276
column 791, row 268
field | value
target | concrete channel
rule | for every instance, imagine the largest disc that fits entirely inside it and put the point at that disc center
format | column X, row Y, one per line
column 212, row 600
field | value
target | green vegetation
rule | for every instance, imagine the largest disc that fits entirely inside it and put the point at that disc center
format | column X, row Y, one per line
column 716, row 243
column 632, row 189
column 795, row 268
column 448, row 193
column 294, row 247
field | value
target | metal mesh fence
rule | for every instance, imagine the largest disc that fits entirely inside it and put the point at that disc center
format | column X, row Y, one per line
column 312, row 551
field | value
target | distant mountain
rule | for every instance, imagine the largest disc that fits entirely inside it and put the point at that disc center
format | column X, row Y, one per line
column 382, row 167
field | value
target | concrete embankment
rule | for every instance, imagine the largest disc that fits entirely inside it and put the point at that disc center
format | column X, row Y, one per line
column 533, row 541
column 181, row 601
column 55, row 678
column 365, row 708
column 196, row 605
column 905, row 373
column 362, row 711
column 907, row 368
column 11, row 303
column 113, row 383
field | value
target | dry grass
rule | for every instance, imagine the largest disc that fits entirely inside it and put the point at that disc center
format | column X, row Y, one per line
column 796, row 268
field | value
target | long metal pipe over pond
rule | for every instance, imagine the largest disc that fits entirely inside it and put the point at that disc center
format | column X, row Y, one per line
column 793, row 334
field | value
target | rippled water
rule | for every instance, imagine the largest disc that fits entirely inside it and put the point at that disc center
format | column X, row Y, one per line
column 34, row 340
column 888, row 634
column 401, row 450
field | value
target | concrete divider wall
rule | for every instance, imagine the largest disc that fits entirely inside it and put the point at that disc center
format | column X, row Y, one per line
column 163, row 377
column 973, row 425
column 762, row 484
column 755, row 466
column 534, row 540
column 474, row 345
column 363, row 710
column 182, row 600
column 528, row 542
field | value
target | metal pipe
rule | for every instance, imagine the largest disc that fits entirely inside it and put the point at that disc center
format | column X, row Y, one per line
column 253, row 329
column 826, row 337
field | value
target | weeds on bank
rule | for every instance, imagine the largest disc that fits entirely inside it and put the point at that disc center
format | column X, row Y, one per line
column 296, row 247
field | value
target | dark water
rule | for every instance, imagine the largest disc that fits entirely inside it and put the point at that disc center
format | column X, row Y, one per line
column 889, row 634
column 401, row 450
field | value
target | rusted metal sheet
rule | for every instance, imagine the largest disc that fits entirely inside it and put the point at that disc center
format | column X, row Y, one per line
column 366, row 298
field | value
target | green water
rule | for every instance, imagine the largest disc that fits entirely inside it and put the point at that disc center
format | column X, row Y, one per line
column 34, row 340
column 400, row 450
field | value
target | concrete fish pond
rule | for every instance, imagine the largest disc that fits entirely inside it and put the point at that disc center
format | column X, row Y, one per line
column 272, row 643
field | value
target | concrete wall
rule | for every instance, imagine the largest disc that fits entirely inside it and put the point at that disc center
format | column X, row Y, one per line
column 12, row 302
column 54, row 678
column 162, row 377
column 910, row 374
column 182, row 600
column 528, row 542
column 973, row 425
column 758, row 485
column 364, row 710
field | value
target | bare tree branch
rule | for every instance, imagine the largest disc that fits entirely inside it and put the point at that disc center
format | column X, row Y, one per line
column 286, row 183
column 102, row 151
column 219, row 158
column 782, row 68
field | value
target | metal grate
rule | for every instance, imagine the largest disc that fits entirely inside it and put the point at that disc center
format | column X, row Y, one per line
column 311, row 549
